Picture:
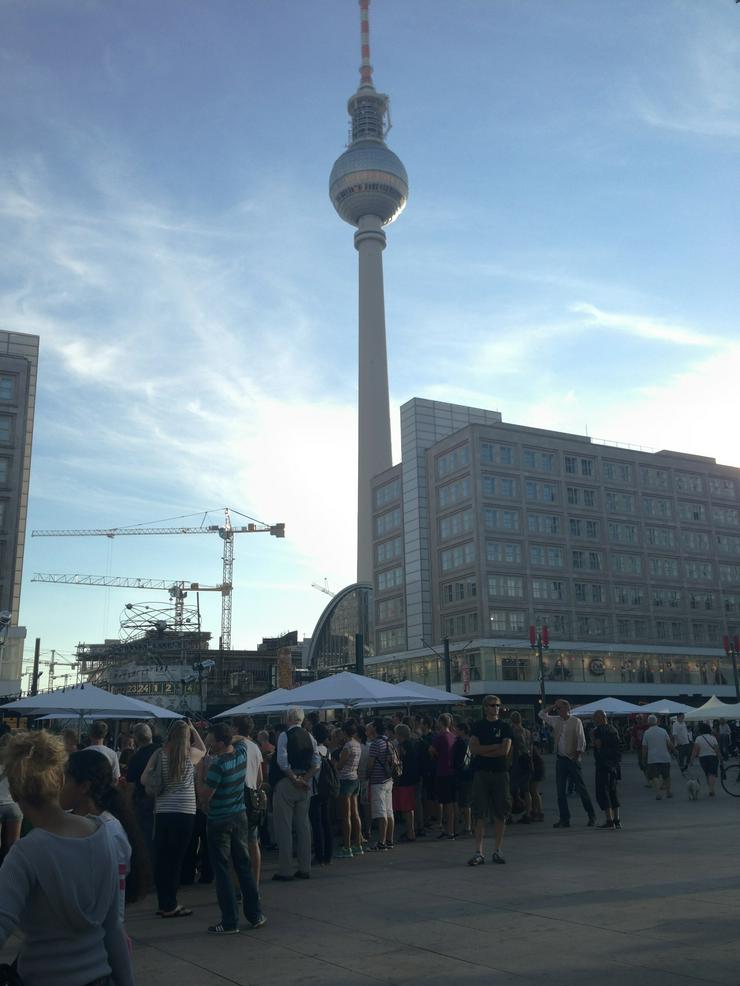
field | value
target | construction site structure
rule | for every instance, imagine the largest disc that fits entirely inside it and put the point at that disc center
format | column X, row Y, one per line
column 225, row 531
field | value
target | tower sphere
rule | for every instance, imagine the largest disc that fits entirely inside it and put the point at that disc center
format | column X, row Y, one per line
column 368, row 180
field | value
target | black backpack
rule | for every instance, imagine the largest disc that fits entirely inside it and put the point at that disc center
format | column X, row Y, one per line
column 328, row 780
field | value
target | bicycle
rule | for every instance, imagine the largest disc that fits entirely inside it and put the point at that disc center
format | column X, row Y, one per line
column 729, row 774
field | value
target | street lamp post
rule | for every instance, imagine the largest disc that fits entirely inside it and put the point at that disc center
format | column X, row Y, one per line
column 539, row 641
column 732, row 650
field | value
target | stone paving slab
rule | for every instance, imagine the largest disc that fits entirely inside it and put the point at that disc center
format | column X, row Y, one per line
column 657, row 904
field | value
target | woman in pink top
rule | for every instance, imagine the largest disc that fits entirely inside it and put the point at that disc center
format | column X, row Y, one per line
column 349, row 788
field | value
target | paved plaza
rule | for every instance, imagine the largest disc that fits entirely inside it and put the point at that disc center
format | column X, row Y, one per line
column 657, row 903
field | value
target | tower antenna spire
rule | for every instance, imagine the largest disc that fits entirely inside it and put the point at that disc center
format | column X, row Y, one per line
column 366, row 69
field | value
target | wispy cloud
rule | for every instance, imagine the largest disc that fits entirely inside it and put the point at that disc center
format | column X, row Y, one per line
column 644, row 326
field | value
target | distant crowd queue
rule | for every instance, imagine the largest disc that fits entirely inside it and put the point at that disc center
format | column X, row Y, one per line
column 101, row 828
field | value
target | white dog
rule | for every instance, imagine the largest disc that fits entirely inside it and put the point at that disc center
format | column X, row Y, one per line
column 693, row 787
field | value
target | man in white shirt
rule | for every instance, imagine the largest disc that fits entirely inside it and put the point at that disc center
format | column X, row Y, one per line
column 98, row 732
column 658, row 747
column 681, row 740
column 570, row 745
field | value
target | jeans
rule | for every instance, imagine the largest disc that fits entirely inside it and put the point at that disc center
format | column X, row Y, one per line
column 323, row 838
column 172, row 832
column 566, row 768
column 228, row 842
column 606, row 787
column 290, row 810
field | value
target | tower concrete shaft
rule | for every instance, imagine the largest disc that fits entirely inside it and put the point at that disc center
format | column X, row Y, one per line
column 374, row 422
column 369, row 187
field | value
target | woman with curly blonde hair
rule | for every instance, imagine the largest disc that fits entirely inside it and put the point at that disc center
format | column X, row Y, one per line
column 59, row 884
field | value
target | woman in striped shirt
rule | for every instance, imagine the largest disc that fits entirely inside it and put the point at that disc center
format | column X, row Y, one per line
column 349, row 788
column 174, row 812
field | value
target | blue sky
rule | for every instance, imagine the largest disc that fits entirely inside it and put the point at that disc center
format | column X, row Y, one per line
column 569, row 256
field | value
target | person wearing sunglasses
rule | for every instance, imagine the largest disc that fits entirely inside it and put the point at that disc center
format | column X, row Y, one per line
column 490, row 745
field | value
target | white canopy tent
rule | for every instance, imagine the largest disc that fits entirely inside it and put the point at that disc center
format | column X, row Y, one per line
column 666, row 707
column 612, row 707
column 263, row 703
column 430, row 696
column 339, row 691
column 714, row 709
column 87, row 701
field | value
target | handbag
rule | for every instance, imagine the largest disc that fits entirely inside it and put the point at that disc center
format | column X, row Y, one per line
column 153, row 776
column 255, row 801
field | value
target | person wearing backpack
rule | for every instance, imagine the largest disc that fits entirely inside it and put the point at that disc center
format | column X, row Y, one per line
column 297, row 760
column 382, row 766
column 349, row 789
column 326, row 788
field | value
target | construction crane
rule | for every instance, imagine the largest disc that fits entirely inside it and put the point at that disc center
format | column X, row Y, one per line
column 225, row 531
column 178, row 590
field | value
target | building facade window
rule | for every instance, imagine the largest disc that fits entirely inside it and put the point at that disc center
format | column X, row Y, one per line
column 580, row 496
column 4, row 471
column 660, row 537
column 453, row 493
column 657, row 506
column 628, row 595
column 460, row 625
column 390, row 579
column 456, row 524
column 722, row 487
column 620, row 503
column 539, row 461
column 6, row 429
column 663, row 568
column 388, row 522
column 452, row 461
column 701, row 600
column 390, row 610
column 456, row 592
column 699, row 571
column 498, row 485
column 506, row 621
column 541, row 492
column 7, row 387
column 688, row 482
column 695, row 541
column 669, row 598
column 503, row 552
column 589, row 592
column 590, row 626
column 549, row 589
column 725, row 516
column 388, row 492
column 506, row 586
column 393, row 639
column 655, row 479
column 729, row 573
column 580, row 528
column 728, row 544
column 623, row 533
column 493, row 452
column 587, row 559
column 544, row 524
column 388, row 550
column 557, row 623
column 616, row 472
column 626, row 564
column 457, row 557
column 692, row 512
column 547, row 556
column 500, row 520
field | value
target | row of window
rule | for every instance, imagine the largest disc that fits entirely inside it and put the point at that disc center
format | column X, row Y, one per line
column 581, row 626
column 558, row 590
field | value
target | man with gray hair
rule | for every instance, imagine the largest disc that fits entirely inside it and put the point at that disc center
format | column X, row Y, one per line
column 143, row 804
column 658, row 746
column 297, row 761
column 570, row 745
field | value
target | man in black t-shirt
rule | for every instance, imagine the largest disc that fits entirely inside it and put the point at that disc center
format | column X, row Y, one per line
column 607, row 758
column 490, row 744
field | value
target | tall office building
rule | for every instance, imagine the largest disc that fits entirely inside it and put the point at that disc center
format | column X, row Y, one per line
column 631, row 559
column 18, row 370
column 368, row 187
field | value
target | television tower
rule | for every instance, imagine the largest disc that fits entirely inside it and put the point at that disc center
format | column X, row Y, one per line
column 369, row 187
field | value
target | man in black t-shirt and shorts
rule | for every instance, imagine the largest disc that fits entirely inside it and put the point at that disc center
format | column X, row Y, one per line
column 490, row 743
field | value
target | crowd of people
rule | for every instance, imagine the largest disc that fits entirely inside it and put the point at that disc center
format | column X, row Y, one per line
column 104, row 828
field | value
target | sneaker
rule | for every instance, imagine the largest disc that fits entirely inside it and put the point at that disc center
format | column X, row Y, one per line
column 259, row 922
column 498, row 857
column 477, row 859
column 357, row 851
column 344, row 853
column 617, row 824
column 561, row 825
column 218, row 929
column 390, row 845
column 377, row 847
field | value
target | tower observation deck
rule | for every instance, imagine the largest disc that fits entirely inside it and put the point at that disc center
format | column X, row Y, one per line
column 368, row 187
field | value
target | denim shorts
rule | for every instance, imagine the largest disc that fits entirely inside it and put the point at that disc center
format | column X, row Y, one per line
column 348, row 788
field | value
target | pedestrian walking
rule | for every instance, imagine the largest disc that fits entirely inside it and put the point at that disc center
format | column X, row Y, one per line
column 658, row 746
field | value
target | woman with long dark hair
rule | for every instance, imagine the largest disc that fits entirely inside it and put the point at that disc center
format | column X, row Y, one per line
column 88, row 790
column 59, row 884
